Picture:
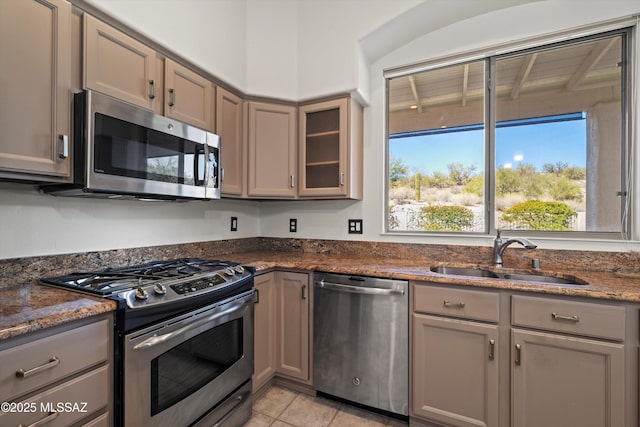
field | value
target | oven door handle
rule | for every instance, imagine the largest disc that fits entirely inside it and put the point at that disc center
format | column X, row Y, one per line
column 159, row 339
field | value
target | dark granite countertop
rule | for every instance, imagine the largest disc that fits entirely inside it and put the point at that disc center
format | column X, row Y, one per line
column 615, row 286
column 29, row 307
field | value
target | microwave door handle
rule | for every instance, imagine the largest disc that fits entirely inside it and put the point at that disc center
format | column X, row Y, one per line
column 196, row 167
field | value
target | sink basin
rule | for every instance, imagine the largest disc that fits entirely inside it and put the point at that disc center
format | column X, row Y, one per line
column 461, row 271
column 566, row 280
column 527, row 277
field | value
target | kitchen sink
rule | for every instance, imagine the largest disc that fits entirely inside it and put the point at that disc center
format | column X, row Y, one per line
column 540, row 278
column 461, row 271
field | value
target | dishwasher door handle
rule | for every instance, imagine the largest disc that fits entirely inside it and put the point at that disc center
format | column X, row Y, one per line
column 358, row 289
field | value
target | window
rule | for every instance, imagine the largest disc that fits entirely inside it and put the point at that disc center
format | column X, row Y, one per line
column 531, row 140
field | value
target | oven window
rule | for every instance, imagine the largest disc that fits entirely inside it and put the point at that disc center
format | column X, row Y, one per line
column 126, row 149
column 189, row 366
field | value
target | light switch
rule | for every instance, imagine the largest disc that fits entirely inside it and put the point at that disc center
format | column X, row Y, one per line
column 355, row 226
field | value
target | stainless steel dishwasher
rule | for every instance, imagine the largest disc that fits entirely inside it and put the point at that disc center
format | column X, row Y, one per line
column 361, row 347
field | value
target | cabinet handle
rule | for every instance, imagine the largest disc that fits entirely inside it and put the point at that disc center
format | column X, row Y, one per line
column 45, row 420
column 492, row 349
column 341, row 179
column 304, row 288
column 448, row 303
column 172, row 97
column 256, row 298
column 293, row 181
column 53, row 362
column 64, row 153
column 556, row 316
column 152, row 89
column 518, row 354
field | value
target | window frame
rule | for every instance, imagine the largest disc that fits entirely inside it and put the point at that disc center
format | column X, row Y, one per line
column 625, row 28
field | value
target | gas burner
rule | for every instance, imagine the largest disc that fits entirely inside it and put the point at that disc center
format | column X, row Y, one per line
column 112, row 281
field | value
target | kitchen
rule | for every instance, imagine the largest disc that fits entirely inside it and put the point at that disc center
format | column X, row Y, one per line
column 306, row 51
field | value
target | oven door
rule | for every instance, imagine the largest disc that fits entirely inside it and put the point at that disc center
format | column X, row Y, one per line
column 176, row 371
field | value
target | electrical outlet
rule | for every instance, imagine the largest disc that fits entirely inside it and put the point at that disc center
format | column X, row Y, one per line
column 355, row 226
column 293, row 225
column 234, row 223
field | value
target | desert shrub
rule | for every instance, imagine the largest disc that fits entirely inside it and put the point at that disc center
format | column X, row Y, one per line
column 438, row 180
column 540, row 215
column 563, row 188
column 534, row 186
column 475, row 186
column 575, row 173
column 447, row 218
column 460, row 174
column 507, row 181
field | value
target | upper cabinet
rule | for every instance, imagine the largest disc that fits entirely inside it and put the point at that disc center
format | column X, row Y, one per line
column 122, row 67
column 272, row 150
column 229, row 125
column 188, row 96
column 331, row 149
column 35, row 111
column 118, row 65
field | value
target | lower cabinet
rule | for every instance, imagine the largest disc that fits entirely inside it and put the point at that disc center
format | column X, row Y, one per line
column 455, row 358
column 282, row 327
column 561, row 381
column 292, row 325
column 455, row 371
column 264, row 362
column 58, row 377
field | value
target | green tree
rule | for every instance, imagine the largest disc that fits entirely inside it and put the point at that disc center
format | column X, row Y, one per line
column 475, row 186
column 460, row 174
column 438, row 180
column 507, row 181
column 562, row 188
column 397, row 171
column 555, row 168
column 575, row 173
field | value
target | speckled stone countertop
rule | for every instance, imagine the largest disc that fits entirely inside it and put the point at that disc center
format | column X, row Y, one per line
column 26, row 306
column 31, row 307
column 616, row 286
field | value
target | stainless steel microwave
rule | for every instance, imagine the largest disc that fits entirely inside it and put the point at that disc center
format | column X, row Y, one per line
column 123, row 151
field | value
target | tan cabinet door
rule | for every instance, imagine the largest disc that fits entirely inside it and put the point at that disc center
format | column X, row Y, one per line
column 264, row 330
column 118, row 65
column 229, row 127
column 188, row 96
column 272, row 150
column 560, row 381
column 455, row 371
column 331, row 149
column 293, row 325
column 35, row 84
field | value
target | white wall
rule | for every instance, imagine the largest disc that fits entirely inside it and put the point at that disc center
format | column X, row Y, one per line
column 211, row 34
column 36, row 224
column 500, row 26
column 206, row 31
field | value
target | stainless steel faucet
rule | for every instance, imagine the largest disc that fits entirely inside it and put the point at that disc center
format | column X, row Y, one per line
column 500, row 245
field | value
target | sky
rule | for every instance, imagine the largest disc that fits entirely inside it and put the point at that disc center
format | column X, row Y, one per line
column 534, row 144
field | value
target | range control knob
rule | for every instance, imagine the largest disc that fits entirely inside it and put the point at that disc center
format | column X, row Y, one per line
column 160, row 289
column 239, row 269
column 141, row 294
column 229, row 271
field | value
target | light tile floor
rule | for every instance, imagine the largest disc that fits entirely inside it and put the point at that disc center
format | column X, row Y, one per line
column 281, row 407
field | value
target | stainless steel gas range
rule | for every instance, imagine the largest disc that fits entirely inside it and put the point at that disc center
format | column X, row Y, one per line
column 184, row 340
